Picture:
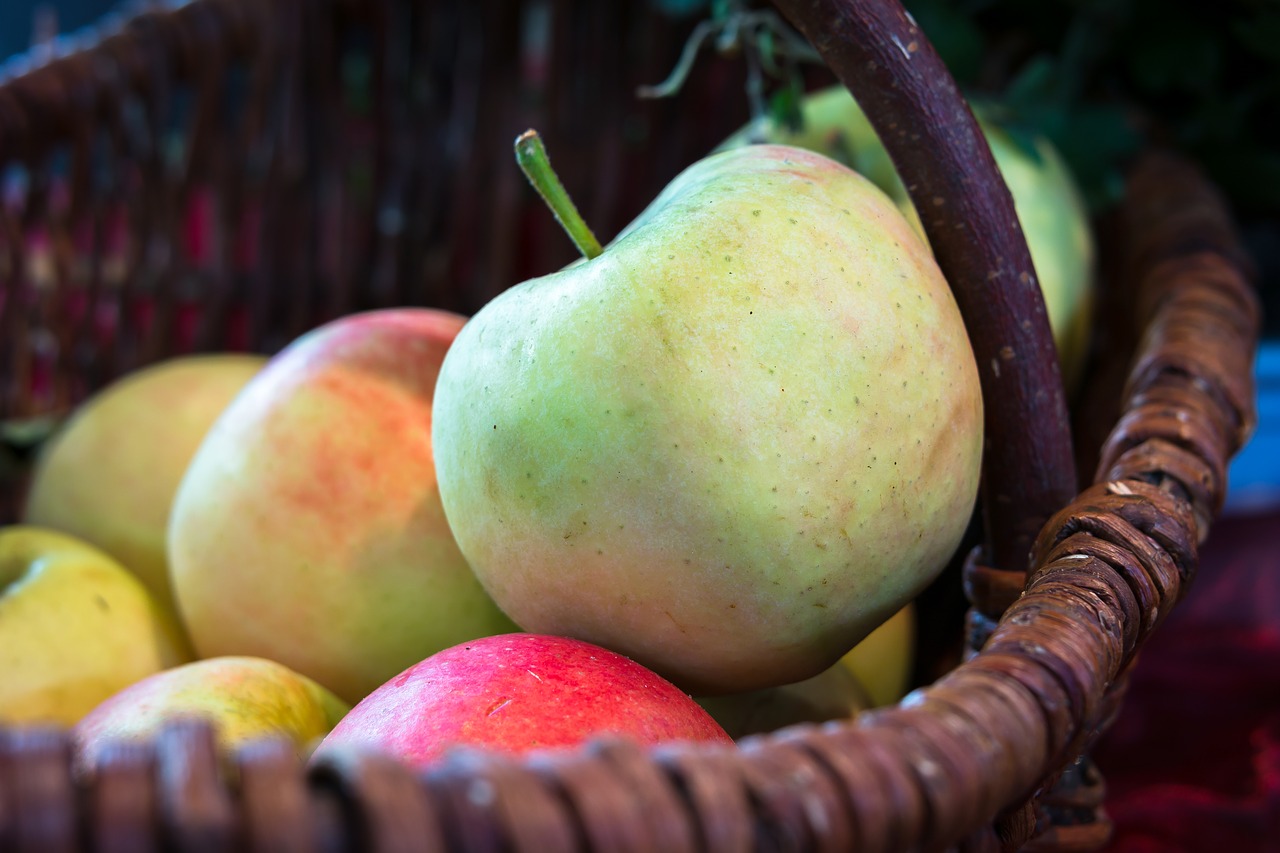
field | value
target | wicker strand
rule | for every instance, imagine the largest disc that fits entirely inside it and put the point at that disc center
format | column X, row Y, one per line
column 38, row 792
column 121, row 811
column 276, row 812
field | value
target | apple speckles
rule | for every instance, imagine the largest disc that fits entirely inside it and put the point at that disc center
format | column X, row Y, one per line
column 748, row 420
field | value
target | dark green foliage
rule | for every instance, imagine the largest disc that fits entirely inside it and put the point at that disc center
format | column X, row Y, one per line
column 1100, row 77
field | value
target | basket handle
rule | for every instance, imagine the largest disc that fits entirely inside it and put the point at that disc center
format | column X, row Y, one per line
column 875, row 48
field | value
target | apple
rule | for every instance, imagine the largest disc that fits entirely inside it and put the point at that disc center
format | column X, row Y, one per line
column 833, row 694
column 517, row 693
column 831, row 123
column 243, row 698
column 873, row 673
column 733, row 443
column 883, row 661
column 308, row 528
column 109, row 474
column 1049, row 204
column 75, row 627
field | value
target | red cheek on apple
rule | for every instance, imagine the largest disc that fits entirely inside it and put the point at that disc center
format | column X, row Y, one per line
column 515, row 693
column 405, row 346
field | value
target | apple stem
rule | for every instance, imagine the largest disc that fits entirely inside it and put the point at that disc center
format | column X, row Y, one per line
column 531, row 155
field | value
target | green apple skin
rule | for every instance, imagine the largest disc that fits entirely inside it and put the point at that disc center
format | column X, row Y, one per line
column 732, row 444
column 308, row 528
column 109, row 475
column 75, row 627
column 1050, row 207
column 244, row 698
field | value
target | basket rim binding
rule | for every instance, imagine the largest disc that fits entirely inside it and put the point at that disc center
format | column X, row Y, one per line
column 1107, row 568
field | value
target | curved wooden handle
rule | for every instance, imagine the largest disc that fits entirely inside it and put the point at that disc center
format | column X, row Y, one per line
column 886, row 62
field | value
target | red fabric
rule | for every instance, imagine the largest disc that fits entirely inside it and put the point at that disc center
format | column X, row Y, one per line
column 1193, row 762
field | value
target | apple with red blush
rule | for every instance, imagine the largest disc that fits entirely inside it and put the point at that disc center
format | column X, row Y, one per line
column 308, row 528
column 515, row 694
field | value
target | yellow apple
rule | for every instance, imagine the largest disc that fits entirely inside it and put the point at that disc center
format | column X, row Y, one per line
column 833, row 694
column 882, row 662
column 75, row 627
column 244, row 698
column 109, row 474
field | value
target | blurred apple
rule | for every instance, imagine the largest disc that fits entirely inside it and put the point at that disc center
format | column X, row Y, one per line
column 833, row 694
column 109, row 474
column 1048, row 202
column 75, row 627
column 244, row 698
column 875, row 672
column 883, row 661
column 308, row 529
column 518, row 693
column 832, row 124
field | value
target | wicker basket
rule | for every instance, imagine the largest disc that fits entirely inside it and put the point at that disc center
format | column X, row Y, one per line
column 227, row 174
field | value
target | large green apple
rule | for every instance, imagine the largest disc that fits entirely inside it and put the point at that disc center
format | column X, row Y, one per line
column 75, row 627
column 109, row 474
column 731, row 445
column 308, row 528
column 1050, row 207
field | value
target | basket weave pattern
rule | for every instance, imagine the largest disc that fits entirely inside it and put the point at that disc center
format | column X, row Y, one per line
column 133, row 246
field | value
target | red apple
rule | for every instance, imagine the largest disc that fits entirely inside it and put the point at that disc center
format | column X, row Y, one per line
column 517, row 693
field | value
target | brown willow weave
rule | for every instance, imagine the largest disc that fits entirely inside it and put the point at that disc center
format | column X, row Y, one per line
column 233, row 172
column 102, row 268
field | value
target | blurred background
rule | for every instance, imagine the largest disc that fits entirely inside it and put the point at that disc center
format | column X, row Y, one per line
column 23, row 22
column 1098, row 77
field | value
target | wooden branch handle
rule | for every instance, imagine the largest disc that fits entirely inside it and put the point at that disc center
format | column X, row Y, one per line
column 886, row 62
